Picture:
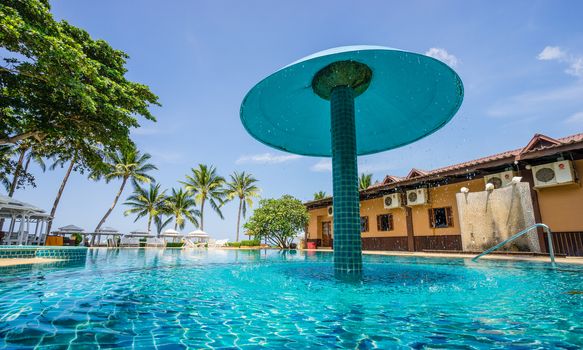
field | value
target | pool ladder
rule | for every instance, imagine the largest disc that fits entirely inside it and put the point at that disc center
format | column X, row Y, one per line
column 520, row 234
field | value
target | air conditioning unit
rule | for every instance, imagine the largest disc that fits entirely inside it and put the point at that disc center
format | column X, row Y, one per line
column 500, row 179
column 392, row 201
column 553, row 174
column 417, row 197
column 330, row 211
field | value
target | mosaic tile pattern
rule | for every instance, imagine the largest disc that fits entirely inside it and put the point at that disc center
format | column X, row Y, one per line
column 179, row 299
column 66, row 253
column 347, row 242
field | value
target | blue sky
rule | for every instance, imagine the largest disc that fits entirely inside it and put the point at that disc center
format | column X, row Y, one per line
column 521, row 63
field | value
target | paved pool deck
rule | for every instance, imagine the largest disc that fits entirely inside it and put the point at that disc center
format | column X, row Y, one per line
column 26, row 261
column 514, row 257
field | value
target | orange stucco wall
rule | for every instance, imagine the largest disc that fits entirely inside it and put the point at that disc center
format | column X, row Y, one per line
column 315, row 223
column 561, row 207
column 443, row 196
column 374, row 207
column 439, row 197
column 370, row 208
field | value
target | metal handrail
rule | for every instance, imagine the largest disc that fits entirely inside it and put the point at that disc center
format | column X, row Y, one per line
column 520, row 234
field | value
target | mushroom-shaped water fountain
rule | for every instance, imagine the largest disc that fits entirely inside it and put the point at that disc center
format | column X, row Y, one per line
column 350, row 101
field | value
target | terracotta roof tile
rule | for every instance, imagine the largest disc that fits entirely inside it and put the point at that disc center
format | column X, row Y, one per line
column 498, row 156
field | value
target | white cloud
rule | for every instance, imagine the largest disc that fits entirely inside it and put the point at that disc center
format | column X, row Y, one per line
column 576, row 118
column 555, row 53
column 442, row 55
column 575, row 67
column 374, row 167
column 168, row 157
column 541, row 102
column 266, row 158
column 325, row 165
column 551, row 53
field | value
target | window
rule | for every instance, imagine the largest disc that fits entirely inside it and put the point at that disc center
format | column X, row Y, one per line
column 364, row 224
column 385, row 222
column 440, row 217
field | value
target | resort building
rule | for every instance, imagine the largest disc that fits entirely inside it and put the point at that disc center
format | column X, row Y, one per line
column 472, row 205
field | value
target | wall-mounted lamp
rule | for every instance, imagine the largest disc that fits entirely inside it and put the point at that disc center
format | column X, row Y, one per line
column 490, row 187
column 464, row 190
column 528, row 167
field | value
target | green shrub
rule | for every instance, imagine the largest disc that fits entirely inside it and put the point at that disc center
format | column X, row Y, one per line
column 250, row 243
column 233, row 244
column 174, row 245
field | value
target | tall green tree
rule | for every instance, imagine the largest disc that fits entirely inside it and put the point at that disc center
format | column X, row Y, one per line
column 27, row 151
column 59, row 83
column 6, row 166
column 278, row 221
column 364, row 181
column 146, row 202
column 319, row 195
column 127, row 164
column 78, row 157
column 242, row 186
column 182, row 207
column 205, row 184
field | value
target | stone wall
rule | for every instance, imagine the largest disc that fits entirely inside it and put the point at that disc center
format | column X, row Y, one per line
column 489, row 217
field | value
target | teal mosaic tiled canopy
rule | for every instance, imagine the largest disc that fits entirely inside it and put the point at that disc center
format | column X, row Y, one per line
column 346, row 102
column 410, row 96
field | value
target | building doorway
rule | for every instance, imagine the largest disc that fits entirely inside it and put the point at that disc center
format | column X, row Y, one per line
column 326, row 234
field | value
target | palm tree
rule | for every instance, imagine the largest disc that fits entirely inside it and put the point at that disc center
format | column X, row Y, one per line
column 146, row 202
column 128, row 164
column 62, row 160
column 181, row 206
column 242, row 186
column 364, row 181
column 319, row 195
column 206, row 184
column 161, row 223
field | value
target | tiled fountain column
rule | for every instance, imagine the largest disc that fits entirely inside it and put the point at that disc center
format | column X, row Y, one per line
column 347, row 243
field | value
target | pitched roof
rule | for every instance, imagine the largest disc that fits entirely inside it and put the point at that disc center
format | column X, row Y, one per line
column 537, row 144
column 415, row 173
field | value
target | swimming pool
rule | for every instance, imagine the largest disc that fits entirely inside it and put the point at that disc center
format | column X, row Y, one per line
column 145, row 298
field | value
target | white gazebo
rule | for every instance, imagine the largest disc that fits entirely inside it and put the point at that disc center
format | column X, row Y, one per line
column 199, row 236
column 20, row 216
column 108, row 231
column 68, row 230
column 133, row 238
column 172, row 234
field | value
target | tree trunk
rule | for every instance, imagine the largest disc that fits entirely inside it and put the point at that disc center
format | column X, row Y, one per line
column 239, row 217
column 202, row 214
column 121, row 188
column 150, row 225
column 175, row 225
column 60, row 193
column 17, row 171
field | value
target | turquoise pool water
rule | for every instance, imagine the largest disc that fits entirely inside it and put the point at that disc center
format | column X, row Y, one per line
column 174, row 299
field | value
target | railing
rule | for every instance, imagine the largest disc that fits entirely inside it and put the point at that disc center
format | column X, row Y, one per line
column 520, row 234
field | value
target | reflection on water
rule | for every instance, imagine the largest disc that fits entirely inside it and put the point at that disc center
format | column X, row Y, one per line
column 147, row 298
